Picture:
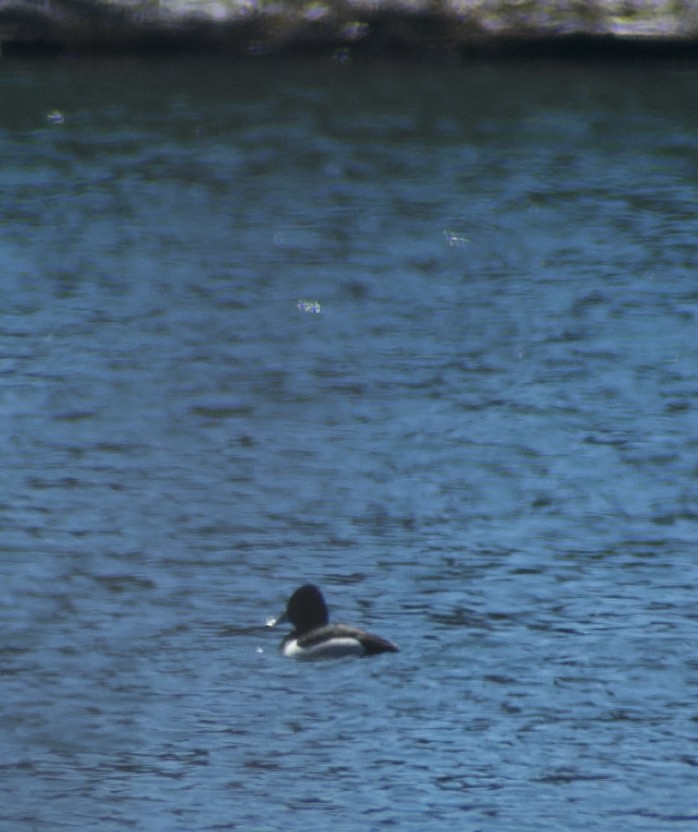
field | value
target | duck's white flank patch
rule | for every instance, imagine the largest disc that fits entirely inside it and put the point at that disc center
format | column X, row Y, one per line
column 333, row 648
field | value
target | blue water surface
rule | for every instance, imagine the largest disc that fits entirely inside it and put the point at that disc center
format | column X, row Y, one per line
column 422, row 334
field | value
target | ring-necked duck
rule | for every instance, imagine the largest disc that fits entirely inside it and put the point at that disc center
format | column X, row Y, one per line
column 314, row 638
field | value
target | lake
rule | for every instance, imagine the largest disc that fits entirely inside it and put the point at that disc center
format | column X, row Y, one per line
column 423, row 333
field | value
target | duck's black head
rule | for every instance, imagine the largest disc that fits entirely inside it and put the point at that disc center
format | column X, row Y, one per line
column 306, row 609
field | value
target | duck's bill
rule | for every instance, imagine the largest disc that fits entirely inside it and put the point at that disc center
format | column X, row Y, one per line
column 272, row 622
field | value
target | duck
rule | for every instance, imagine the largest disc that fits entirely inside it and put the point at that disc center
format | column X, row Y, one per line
column 314, row 637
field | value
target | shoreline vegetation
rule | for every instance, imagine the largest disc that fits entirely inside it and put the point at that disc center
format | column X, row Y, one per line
column 342, row 28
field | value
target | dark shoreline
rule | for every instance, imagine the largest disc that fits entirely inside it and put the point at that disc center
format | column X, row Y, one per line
column 90, row 27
